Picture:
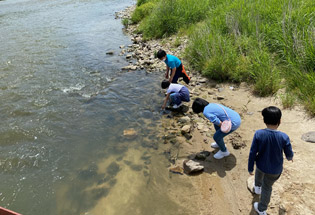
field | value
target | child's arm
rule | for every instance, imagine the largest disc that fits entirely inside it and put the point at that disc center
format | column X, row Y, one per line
column 165, row 101
column 252, row 155
column 167, row 70
column 288, row 149
column 172, row 74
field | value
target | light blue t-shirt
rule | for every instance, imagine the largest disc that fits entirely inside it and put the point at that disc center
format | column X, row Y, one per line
column 172, row 61
column 216, row 115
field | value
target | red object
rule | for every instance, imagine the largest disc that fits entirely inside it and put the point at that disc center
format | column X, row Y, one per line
column 4, row 211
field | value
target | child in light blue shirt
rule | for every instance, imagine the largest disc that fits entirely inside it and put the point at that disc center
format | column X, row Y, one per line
column 218, row 113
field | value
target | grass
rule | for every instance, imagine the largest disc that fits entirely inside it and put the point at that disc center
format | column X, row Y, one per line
column 260, row 42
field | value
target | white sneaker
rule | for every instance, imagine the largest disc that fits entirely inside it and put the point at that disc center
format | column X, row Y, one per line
column 259, row 212
column 220, row 154
column 215, row 145
column 177, row 106
column 257, row 190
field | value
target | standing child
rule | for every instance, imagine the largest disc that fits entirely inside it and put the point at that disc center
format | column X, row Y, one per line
column 175, row 65
column 218, row 113
column 176, row 93
column 267, row 151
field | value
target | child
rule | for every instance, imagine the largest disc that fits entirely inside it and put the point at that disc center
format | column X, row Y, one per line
column 176, row 66
column 176, row 93
column 267, row 150
column 217, row 113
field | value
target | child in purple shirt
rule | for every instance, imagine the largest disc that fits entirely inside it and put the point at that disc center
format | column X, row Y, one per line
column 267, row 151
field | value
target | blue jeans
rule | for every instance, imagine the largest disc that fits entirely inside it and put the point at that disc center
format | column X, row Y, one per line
column 218, row 137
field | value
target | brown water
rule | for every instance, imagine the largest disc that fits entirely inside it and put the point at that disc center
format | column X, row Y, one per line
column 64, row 106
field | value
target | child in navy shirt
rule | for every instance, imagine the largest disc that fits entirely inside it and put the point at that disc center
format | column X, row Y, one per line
column 267, row 151
column 175, row 65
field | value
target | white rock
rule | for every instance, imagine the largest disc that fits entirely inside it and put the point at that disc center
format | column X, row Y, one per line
column 250, row 183
column 185, row 129
column 192, row 166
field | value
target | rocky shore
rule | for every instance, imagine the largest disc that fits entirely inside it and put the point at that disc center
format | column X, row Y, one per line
column 221, row 184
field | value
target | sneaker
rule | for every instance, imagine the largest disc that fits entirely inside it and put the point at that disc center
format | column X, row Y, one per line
column 215, row 145
column 220, row 154
column 259, row 212
column 257, row 190
column 177, row 106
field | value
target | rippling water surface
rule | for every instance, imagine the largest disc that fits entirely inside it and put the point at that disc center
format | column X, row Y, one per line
column 64, row 106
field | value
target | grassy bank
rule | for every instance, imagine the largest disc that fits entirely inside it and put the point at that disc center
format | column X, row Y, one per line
column 270, row 44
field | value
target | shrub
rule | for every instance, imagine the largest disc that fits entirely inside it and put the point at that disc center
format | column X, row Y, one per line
column 142, row 11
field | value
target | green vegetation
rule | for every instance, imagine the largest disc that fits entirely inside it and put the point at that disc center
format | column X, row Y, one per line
column 270, row 44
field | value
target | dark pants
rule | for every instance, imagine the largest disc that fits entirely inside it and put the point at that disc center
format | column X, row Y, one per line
column 180, row 72
column 265, row 181
column 182, row 95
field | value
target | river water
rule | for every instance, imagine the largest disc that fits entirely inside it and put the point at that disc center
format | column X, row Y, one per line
column 64, row 107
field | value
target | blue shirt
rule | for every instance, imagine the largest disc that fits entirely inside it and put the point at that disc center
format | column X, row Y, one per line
column 216, row 115
column 172, row 61
column 267, row 150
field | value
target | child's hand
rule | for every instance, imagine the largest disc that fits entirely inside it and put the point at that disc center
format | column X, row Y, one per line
column 251, row 173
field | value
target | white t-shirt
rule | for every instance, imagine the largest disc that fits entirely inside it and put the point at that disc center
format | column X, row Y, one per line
column 174, row 88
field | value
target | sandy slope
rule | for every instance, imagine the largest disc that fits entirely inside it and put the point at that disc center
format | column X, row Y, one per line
column 222, row 186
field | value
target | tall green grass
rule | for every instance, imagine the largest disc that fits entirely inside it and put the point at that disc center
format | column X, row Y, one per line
column 170, row 15
column 270, row 44
column 262, row 42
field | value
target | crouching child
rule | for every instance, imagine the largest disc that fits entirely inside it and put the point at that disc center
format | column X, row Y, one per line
column 176, row 94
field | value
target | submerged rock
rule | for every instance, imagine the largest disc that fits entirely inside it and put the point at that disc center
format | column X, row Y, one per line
column 191, row 166
column 177, row 169
column 309, row 137
column 110, row 52
column 130, row 133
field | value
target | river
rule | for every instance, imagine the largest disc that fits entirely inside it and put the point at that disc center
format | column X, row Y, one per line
column 64, row 107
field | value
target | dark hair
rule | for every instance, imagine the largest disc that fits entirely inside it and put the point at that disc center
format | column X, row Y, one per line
column 161, row 53
column 199, row 105
column 165, row 84
column 272, row 115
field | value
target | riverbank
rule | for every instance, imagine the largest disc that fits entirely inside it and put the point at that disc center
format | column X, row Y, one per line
column 221, row 188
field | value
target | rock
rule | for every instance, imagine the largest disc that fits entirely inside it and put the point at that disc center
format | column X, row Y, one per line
column 202, row 80
column 191, row 166
column 202, row 155
column 177, row 169
column 220, row 89
column 122, row 46
column 309, row 137
column 250, row 183
column 200, row 126
column 220, row 97
column 130, row 67
column 110, row 52
column 185, row 129
column 130, row 133
column 184, row 119
column 128, row 56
